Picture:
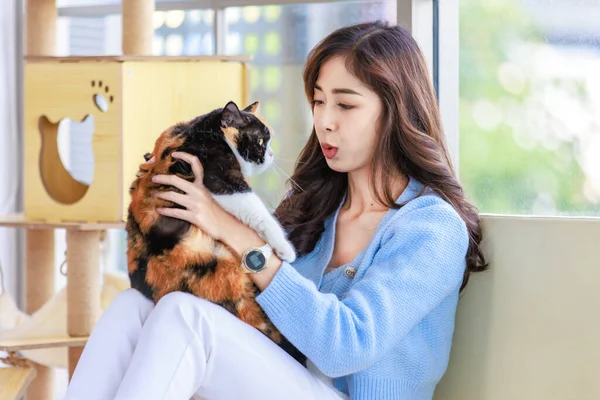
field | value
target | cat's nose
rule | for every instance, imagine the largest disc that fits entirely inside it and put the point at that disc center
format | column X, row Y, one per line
column 270, row 154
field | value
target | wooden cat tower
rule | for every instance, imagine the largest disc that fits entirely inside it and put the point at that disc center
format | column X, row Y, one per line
column 131, row 99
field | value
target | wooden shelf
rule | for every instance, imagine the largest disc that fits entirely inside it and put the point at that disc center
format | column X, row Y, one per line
column 241, row 58
column 14, row 382
column 42, row 343
column 19, row 221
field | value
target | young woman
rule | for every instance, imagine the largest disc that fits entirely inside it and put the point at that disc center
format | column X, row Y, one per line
column 385, row 237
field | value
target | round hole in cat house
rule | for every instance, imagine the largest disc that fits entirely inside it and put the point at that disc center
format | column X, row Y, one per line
column 67, row 157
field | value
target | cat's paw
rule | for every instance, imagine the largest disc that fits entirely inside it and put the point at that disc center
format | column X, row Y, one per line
column 283, row 249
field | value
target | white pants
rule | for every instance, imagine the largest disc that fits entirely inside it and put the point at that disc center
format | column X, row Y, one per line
column 186, row 347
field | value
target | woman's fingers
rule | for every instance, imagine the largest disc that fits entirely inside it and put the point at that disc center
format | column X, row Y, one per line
column 196, row 199
column 177, row 213
column 175, row 181
column 197, row 168
column 177, row 198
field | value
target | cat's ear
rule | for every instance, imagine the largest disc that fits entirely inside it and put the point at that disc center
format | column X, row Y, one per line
column 231, row 115
column 252, row 107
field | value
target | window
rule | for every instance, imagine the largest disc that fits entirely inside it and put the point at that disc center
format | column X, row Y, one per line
column 279, row 38
column 180, row 32
column 529, row 101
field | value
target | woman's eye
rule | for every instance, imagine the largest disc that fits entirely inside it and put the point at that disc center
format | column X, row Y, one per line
column 260, row 142
column 317, row 102
column 345, row 106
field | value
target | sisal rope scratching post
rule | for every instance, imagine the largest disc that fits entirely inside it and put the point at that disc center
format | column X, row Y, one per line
column 39, row 288
column 138, row 30
column 39, row 260
column 41, row 27
column 83, row 287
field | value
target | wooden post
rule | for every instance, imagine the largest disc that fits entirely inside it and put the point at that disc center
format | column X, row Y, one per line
column 40, row 39
column 83, row 287
column 41, row 27
column 39, row 288
column 138, row 30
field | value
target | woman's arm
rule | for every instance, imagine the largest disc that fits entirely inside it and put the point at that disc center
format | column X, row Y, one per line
column 420, row 264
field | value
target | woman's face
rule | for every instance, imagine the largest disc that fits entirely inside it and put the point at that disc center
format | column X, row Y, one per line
column 346, row 117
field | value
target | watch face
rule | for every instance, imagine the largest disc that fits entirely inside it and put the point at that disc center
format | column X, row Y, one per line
column 255, row 260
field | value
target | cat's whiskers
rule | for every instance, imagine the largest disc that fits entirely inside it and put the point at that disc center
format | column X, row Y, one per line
column 287, row 176
column 290, row 160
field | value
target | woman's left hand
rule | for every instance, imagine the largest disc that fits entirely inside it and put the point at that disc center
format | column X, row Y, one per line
column 204, row 212
column 200, row 207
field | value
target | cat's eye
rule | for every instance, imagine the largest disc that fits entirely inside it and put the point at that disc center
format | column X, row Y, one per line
column 260, row 142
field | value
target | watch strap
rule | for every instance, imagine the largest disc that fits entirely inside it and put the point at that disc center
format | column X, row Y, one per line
column 267, row 251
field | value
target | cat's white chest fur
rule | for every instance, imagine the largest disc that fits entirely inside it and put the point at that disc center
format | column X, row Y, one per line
column 248, row 208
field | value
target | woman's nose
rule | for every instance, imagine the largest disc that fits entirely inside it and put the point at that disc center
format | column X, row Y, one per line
column 327, row 121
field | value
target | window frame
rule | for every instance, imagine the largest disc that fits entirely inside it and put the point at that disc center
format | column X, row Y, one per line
column 446, row 27
column 19, row 273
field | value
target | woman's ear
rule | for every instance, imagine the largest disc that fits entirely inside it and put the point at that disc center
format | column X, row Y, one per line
column 231, row 116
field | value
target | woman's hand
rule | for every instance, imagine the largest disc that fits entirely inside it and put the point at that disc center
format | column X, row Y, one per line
column 201, row 209
column 204, row 212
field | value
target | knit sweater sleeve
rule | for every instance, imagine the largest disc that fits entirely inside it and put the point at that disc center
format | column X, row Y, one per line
column 420, row 262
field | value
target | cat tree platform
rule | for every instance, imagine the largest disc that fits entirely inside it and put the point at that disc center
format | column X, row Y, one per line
column 21, row 221
column 14, row 382
column 123, row 58
column 41, row 343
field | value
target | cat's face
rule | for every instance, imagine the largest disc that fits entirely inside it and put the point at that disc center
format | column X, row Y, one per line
column 248, row 137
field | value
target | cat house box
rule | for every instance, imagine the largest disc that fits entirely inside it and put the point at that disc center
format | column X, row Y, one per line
column 103, row 114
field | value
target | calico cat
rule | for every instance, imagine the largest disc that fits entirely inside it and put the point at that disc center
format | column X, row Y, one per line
column 167, row 254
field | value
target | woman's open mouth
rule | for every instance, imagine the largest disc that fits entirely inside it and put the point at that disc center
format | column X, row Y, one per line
column 328, row 150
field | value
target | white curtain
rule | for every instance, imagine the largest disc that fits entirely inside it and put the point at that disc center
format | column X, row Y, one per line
column 10, row 154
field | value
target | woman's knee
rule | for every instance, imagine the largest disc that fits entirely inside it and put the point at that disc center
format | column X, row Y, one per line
column 175, row 300
column 129, row 308
column 181, row 303
column 131, row 299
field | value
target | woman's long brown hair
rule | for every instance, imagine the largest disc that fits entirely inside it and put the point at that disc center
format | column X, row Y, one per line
column 388, row 60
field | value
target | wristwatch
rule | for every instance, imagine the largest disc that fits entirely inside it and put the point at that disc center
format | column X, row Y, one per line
column 255, row 259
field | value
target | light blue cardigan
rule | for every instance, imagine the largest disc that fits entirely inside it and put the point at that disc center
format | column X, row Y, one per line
column 384, row 333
